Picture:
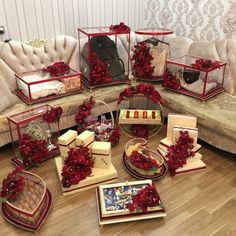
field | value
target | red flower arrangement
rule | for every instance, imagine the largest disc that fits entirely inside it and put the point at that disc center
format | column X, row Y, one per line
column 170, row 80
column 205, row 64
column 142, row 61
column 32, row 151
column 140, row 131
column 81, row 119
column 99, row 73
column 121, row 28
column 148, row 90
column 84, row 110
column 114, row 137
column 143, row 162
column 53, row 115
column 178, row 153
column 57, row 69
column 147, row 197
column 77, row 166
column 12, row 185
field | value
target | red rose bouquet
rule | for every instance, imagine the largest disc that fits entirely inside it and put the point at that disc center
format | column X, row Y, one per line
column 143, row 162
column 121, row 28
column 77, row 166
column 57, row 69
column 170, row 80
column 178, row 153
column 148, row 90
column 142, row 58
column 32, row 151
column 12, row 185
column 99, row 73
column 205, row 64
column 53, row 115
column 147, row 197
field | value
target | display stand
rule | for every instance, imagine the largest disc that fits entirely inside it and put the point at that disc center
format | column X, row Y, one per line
column 136, row 103
column 38, row 86
column 202, row 83
column 156, row 52
column 87, row 55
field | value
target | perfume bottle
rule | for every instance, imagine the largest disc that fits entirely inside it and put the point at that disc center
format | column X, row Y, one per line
column 51, row 146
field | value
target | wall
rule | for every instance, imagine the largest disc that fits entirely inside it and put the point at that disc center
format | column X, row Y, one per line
column 29, row 19
column 197, row 19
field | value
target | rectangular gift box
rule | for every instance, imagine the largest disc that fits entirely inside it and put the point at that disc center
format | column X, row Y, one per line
column 98, row 176
column 192, row 132
column 67, row 141
column 190, row 167
column 112, row 199
column 163, row 151
column 165, row 142
column 85, row 139
column 179, row 120
column 130, row 116
column 101, row 154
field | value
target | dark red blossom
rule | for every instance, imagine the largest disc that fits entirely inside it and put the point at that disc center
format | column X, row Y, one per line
column 205, row 64
column 32, row 151
column 115, row 136
column 53, row 115
column 177, row 154
column 143, row 162
column 148, row 90
column 142, row 58
column 57, row 69
column 77, row 166
column 140, row 131
column 146, row 197
column 121, row 28
column 170, row 80
column 12, row 185
column 84, row 110
column 99, row 73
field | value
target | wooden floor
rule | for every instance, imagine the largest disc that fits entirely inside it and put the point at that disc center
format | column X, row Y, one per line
column 202, row 203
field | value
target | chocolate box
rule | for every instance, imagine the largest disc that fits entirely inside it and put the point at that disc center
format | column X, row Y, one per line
column 67, row 141
column 101, row 154
column 179, row 120
column 131, row 116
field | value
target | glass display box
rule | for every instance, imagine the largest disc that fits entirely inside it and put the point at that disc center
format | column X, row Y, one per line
column 103, row 61
column 150, row 54
column 32, row 138
column 38, row 86
column 195, row 77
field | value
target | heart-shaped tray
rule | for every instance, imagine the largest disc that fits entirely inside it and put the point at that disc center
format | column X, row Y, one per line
column 31, row 208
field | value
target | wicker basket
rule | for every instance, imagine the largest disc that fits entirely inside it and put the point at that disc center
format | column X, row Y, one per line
column 31, row 207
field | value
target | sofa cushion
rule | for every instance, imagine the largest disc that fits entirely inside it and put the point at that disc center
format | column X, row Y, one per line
column 7, row 98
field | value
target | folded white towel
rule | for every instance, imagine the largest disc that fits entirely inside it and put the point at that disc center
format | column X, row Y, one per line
column 42, row 89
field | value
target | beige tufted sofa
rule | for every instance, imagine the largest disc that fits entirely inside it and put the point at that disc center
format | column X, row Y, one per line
column 20, row 57
column 216, row 117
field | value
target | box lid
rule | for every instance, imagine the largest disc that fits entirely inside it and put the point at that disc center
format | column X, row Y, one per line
column 101, row 147
column 85, row 138
column 67, row 137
